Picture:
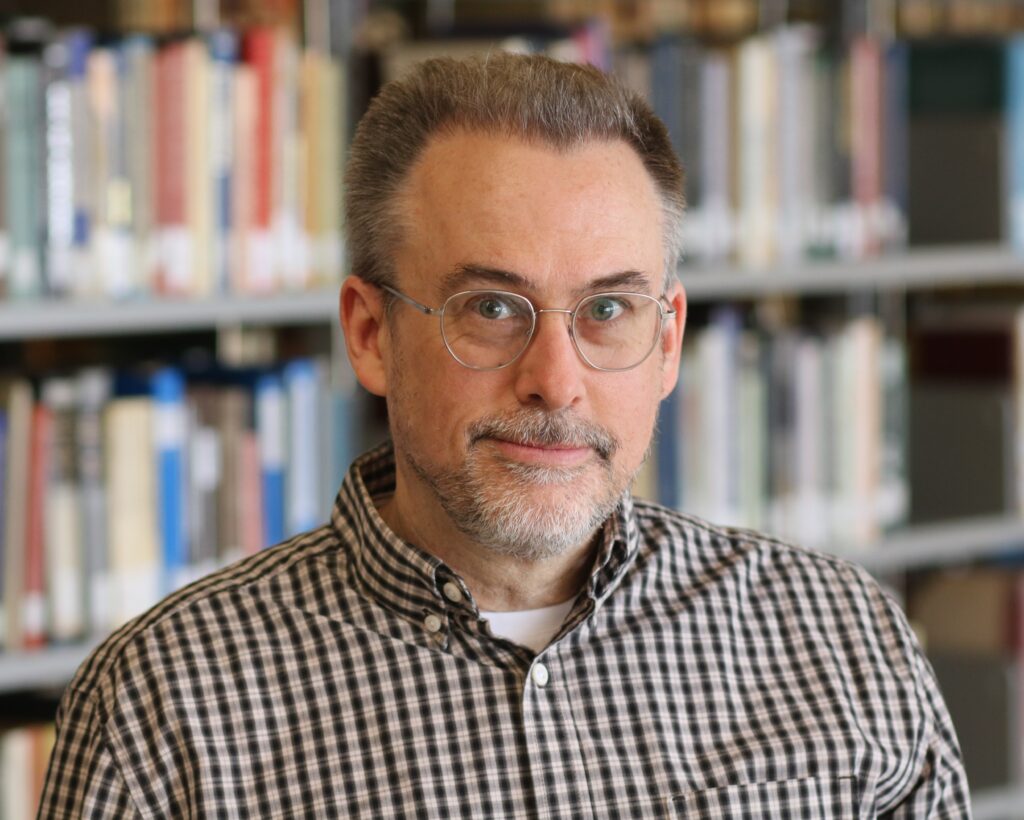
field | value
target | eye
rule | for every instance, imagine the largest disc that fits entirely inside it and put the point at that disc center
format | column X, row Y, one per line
column 605, row 308
column 492, row 306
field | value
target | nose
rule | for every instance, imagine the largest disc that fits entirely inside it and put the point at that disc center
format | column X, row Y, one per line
column 549, row 373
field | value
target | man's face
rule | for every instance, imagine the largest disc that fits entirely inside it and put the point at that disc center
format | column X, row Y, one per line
column 530, row 459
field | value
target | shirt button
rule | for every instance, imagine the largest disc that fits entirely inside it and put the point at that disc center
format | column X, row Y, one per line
column 452, row 592
column 432, row 623
column 540, row 675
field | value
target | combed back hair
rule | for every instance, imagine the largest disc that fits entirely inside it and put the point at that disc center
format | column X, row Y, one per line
column 530, row 97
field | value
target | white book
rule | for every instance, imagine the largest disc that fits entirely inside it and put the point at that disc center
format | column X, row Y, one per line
column 63, row 544
column 810, row 524
column 757, row 155
column 16, row 799
column 135, row 559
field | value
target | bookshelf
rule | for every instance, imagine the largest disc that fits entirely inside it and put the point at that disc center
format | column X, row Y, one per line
column 57, row 319
column 952, row 267
column 965, row 264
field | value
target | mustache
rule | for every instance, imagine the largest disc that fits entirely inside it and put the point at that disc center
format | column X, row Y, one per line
column 551, row 429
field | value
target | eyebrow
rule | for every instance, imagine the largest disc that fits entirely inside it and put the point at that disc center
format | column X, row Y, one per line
column 468, row 273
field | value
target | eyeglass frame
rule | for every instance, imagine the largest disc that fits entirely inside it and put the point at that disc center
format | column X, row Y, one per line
column 439, row 312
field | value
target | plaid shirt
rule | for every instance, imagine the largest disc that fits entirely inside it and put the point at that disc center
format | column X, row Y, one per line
column 702, row 672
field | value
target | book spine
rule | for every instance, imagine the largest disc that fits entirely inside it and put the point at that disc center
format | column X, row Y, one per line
column 169, row 425
column 24, row 95
column 19, row 432
column 93, row 387
column 199, row 195
column 1015, row 140
column 259, row 46
column 65, row 573
column 302, row 387
column 171, row 140
column 132, row 512
column 223, row 46
column 137, row 80
column 34, row 611
column 59, row 171
column 270, row 425
column 84, row 280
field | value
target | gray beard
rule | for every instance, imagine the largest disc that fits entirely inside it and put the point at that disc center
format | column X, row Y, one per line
column 490, row 499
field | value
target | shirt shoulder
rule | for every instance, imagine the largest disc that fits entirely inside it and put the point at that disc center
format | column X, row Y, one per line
column 290, row 573
column 774, row 587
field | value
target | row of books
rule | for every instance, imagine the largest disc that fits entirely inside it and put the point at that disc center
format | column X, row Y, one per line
column 24, row 755
column 179, row 167
column 794, row 146
column 836, row 434
column 116, row 488
column 800, row 146
column 797, row 433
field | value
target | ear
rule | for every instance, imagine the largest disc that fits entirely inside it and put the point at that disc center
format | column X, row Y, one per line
column 361, row 311
column 672, row 338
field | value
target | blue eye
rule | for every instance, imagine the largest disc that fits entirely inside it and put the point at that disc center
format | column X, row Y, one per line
column 605, row 309
column 491, row 307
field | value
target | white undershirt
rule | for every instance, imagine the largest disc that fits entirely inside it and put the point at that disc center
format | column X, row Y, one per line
column 530, row 627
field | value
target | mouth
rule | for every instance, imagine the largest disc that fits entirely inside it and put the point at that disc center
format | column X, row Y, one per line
column 542, row 453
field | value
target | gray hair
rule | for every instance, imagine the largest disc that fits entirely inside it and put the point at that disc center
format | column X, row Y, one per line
column 526, row 96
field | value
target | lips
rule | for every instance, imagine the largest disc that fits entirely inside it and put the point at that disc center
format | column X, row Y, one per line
column 555, row 455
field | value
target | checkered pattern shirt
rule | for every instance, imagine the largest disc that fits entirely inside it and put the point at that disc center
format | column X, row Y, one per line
column 702, row 672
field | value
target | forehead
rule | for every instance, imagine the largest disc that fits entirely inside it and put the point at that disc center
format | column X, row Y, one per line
column 557, row 218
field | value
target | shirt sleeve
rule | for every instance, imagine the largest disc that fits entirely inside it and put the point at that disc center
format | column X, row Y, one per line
column 940, row 789
column 83, row 780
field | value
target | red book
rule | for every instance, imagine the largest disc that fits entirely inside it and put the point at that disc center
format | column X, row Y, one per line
column 259, row 51
column 34, row 600
column 171, row 169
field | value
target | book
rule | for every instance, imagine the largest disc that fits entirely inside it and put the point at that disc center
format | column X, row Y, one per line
column 1014, row 174
column 35, row 624
column 135, row 557
column 24, row 163
column 205, row 478
column 63, row 542
column 16, row 395
column 93, row 387
column 303, row 381
column 170, row 444
column 965, row 363
column 272, row 436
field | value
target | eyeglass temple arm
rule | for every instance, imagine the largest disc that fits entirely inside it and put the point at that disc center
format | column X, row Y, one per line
column 429, row 311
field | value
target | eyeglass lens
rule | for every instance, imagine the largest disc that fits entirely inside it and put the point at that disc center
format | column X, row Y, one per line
column 489, row 329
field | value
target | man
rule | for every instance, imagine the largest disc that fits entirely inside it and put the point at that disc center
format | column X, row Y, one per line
column 490, row 625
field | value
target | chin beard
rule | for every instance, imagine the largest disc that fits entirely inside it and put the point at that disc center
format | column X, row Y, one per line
column 531, row 512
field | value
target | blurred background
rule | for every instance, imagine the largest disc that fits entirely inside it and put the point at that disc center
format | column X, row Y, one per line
column 174, row 392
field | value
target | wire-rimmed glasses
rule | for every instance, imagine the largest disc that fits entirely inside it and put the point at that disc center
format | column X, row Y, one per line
column 489, row 329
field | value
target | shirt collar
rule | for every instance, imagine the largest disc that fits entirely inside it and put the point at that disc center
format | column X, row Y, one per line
column 410, row 581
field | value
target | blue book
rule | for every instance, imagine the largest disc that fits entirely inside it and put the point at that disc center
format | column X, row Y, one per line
column 1015, row 140
column 666, row 446
column 270, row 430
column 223, row 47
column 169, row 423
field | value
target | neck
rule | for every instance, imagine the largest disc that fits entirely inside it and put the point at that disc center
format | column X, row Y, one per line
column 498, row 582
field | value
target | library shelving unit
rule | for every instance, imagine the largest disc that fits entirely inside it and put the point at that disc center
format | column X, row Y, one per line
column 45, row 671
